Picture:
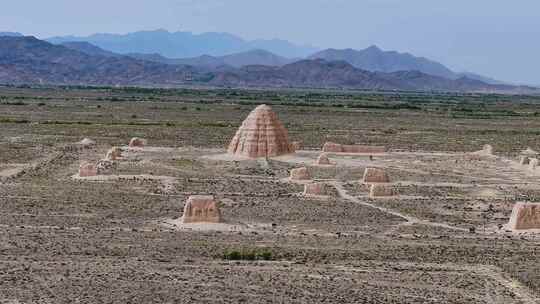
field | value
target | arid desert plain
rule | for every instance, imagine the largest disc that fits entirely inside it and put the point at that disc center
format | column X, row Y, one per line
column 83, row 222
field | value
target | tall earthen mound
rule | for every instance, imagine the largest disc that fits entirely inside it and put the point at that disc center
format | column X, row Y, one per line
column 261, row 135
column 201, row 209
column 525, row 216
column 339, row 148
column 375, row 175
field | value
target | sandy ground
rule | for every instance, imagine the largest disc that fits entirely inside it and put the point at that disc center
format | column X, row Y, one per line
column 262, row 204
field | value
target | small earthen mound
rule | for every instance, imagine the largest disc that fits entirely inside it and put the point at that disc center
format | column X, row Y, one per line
column 261, row 135
column 533, row 163
column 381, row 190
column 316, row 189
column 87, row 169
column 87, row 143
column 525, row 216
column 136, row 142
column 114, row 153
column 529, row 152
column 106, row 167
column 375, row 175
column 300, row 174
column 524, row 160
column 352, row 149
column 296, row 146
column 323, row 160
column 332, row 147
column 201, row 209
column 487, row 150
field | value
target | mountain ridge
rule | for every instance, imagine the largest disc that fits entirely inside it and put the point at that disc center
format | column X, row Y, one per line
column 185, row 44
column 186, row 48
column 28, row 60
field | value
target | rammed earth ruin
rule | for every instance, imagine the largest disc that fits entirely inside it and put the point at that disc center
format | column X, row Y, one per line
column 261, row 135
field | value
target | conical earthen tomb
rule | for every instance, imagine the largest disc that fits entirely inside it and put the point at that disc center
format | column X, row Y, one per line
column 261, row 135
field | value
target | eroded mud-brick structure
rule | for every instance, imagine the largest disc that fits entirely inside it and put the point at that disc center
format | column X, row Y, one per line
column 261, row 135
column 87, row 169
column 300, row 174
column 525, row 216
column 381, row 190
column 339, row 148
column 375, row 175
column 323, row 160
column 114, row 153
column 201, row 209
column 316, row 189
column 136, row 142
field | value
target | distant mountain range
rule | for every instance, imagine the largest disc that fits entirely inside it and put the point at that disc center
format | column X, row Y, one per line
column 211, row 50
column 376, row 60
column 320, row 73
column 185, row 44
column 11, row 34
column 253, row 57
column 28, row 60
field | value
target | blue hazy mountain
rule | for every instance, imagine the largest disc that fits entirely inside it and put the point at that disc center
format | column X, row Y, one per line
column 10, row 34
column 28, row 60
column 185, row 44
column 376, row 60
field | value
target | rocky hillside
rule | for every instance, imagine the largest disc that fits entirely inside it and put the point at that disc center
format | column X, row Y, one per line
column 29, row 60
column 340, row 74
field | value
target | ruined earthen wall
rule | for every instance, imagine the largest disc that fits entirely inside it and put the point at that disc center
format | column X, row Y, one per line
column 87, row 169
column 381, row 190
column 316, row 189
column 339, row 148
column 525, row 216
column 201, row 209
column 375, row 175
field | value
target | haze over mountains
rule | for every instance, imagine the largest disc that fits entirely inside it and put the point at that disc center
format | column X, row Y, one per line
column 29, row 60
column 186, row 44
column 218, row 49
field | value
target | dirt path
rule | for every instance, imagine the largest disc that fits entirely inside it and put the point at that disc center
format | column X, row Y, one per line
column 411, row 220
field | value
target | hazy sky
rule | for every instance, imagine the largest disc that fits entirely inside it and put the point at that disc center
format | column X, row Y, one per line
column 498, row 38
